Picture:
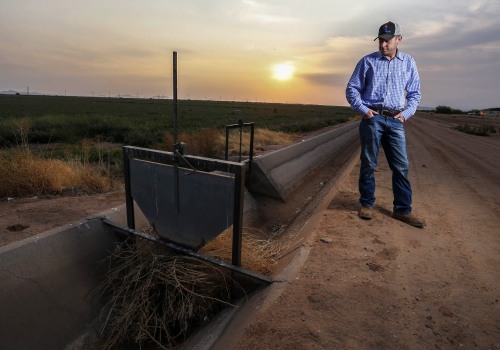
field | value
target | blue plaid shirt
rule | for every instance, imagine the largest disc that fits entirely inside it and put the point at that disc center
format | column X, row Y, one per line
column 382, row 84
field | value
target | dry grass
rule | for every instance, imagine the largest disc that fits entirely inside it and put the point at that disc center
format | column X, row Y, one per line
column 257, row 254
column 204, row 143
column 211, row 142
column 262, row 138
column 157, row 297
column 23, row 174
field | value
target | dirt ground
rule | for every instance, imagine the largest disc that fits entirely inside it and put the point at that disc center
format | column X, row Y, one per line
column 25, row 217
column 377, row 284
column 382, row 284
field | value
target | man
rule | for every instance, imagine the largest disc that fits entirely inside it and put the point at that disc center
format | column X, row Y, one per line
column 385, row 90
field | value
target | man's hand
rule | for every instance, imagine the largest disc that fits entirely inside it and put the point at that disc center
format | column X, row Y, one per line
column 369, row 114
column 400, row 117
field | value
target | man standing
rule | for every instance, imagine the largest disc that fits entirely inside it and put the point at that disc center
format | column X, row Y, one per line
column 385, row 90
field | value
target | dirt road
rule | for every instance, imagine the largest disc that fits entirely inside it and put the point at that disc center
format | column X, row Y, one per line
column 382, row 284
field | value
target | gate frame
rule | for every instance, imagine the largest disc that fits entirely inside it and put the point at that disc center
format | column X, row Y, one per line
column 191, row 163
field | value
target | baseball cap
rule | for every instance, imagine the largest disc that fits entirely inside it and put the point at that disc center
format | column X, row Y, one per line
column 388, row 30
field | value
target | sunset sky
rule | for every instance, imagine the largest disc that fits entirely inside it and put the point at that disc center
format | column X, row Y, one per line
column 292, row 51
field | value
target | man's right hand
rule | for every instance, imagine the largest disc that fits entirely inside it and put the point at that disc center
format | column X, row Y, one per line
column 369, row 114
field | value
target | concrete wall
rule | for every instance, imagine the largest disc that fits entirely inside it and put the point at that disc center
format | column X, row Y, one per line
column 46, row 283
column 276, row 174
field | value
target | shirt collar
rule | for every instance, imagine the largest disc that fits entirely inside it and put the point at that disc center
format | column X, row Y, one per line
column 399, row 55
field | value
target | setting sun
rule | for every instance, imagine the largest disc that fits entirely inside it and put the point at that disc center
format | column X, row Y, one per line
column 283, row 71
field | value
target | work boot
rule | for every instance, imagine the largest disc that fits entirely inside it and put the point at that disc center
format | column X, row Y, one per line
column 365, row 213
column 410, row 219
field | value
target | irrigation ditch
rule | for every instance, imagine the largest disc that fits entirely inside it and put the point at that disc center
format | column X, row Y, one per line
column 48, row 297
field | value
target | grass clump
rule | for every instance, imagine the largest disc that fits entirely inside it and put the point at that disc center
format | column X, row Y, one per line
column 204, row 142
column 157, row 297
column 23, row 174
column 257, row 253
column 482, row 130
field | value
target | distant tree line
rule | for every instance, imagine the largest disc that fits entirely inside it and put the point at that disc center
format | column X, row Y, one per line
column 447, row 110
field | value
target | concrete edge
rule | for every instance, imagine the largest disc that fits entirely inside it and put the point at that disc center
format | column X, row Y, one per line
column 278, row 173
column 47, row 282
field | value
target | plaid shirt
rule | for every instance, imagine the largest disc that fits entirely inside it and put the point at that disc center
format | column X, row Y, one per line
column 382, row 84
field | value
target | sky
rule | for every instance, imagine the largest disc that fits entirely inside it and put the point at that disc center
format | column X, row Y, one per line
column 287, row 51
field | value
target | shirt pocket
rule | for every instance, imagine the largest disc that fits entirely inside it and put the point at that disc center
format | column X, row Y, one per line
column 401, row 77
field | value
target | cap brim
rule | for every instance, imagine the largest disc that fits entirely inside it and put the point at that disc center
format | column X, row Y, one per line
column 385, row 37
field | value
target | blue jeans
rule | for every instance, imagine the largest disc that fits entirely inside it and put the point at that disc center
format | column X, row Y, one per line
column 388, row 132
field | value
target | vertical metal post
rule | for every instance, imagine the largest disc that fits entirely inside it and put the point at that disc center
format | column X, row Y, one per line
column 129, row 201
column 239, row 181
column 240, row 122
column 227, row 142
column 174, row 102
column 252, row 129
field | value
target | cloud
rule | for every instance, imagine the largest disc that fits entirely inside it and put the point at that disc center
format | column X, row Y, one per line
column 235, row 41
column 455, row 36
column 262, row 13
column 266, row 18
column 324, row 79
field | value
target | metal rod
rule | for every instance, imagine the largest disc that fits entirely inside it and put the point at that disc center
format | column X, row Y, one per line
column 252, row 129
column 129, row 201
column 175, row 96
column 176, row 167
column 227, row 142
column 239, row 183
column 241, row 138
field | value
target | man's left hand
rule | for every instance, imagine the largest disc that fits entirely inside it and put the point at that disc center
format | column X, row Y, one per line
column 400, row 117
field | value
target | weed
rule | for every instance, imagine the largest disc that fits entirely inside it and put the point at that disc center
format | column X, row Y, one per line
column 482, row 130
column 156, row 297
column 22, row 173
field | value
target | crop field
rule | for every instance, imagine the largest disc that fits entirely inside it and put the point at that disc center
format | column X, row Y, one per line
column 49, row 143
column 144, row 122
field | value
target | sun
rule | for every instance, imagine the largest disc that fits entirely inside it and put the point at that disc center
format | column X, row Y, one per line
column 283, row 71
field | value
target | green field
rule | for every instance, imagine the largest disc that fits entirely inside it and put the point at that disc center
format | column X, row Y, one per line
column 144, row 122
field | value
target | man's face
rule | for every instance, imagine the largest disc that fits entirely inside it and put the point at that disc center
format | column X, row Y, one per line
column 388, row 48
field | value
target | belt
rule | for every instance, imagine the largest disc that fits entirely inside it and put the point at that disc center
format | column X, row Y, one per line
column 386, row 112
column 389, row 113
